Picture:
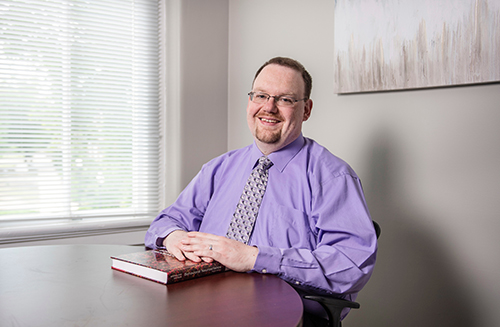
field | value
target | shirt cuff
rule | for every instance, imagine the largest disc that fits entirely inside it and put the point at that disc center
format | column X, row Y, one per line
column 159, row 242
column 268, row 260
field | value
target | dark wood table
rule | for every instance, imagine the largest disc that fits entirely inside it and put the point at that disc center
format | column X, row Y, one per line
column 74, row 285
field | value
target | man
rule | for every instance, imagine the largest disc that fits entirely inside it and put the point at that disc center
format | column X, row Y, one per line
column 312, row 229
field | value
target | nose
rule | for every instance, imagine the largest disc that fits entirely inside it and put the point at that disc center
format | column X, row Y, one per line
column 270, row 105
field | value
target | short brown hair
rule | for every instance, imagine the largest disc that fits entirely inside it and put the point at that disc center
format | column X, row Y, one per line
column 293, row 64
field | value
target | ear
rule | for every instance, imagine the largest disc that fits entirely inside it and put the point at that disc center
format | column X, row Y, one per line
column 307, row 109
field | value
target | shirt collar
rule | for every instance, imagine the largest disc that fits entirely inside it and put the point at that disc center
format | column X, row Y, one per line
column 283, row 156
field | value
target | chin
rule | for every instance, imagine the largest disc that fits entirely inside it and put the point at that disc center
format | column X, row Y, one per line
column 268, row 138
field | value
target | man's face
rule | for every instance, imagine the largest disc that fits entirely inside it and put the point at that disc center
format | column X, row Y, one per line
column 275, row 127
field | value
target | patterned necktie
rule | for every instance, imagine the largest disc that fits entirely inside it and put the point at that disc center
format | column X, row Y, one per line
column 243, row 220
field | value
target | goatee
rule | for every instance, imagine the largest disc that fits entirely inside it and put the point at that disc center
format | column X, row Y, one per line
column 267, row 137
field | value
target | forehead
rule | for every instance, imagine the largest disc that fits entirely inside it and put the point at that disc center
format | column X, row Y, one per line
column 277, row 79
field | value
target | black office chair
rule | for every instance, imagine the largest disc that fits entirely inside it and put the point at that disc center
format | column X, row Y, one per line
column 334, row 306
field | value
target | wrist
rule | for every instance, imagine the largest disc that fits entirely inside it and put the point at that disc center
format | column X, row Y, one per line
column 254, row 252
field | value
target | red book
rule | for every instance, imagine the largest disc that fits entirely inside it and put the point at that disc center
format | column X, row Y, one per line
column 162, row 267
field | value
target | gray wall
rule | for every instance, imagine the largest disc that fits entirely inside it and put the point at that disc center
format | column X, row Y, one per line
column 203, row 90
column 429, row 161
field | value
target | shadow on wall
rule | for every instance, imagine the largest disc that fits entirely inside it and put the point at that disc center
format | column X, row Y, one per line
column 414, row 283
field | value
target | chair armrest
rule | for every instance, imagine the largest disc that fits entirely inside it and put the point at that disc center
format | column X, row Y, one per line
column 332, row 301
column 333, row 307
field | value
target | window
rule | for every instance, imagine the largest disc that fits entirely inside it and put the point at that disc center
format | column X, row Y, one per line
column 79, row 115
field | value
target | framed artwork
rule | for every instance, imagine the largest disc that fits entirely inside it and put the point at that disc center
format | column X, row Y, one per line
column 384, row 45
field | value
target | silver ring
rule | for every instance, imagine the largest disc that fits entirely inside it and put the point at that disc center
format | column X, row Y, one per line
column 210, row 247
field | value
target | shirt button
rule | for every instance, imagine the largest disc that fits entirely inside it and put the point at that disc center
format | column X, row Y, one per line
column 264, row 271
column 297, row 283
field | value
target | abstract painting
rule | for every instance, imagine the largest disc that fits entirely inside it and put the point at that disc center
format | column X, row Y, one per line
column 405, row 44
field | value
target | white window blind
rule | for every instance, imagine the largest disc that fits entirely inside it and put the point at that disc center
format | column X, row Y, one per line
column 79, row 112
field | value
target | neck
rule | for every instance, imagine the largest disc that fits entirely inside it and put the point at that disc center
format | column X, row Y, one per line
column 268, row 148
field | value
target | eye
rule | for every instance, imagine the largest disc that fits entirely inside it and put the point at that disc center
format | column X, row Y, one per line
column 287, row 100
column 261, row 96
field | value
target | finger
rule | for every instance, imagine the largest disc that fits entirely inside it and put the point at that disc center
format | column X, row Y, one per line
column 187, row 250
column 198, row 248
column 206, row 253
column 193, row 257
column 207, row 259
column 198, row 234
column 177, row 253
column 202, row 236
column 188, row 242
column 195, row 245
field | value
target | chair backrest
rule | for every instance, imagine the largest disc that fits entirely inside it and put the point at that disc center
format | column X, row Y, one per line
column 378, row 230
column 334, row 306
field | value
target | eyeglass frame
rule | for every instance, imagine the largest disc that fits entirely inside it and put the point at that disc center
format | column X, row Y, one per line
column 276, row 98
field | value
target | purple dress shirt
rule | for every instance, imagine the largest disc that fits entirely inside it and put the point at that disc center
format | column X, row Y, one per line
column 313, row 227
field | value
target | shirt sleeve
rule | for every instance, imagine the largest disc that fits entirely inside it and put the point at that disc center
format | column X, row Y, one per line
column 343, row 257
column 185, row 213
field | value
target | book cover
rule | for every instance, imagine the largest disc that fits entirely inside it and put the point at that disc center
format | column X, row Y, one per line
column 162, row 267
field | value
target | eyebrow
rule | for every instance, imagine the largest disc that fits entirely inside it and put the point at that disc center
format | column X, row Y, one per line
column 282, row 94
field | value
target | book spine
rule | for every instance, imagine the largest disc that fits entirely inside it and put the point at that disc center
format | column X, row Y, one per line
column 194, row 273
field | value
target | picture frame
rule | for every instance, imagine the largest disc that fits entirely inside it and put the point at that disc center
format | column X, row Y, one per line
column 405, row 44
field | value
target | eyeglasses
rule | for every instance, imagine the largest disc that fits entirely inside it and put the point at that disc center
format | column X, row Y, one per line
column 280, row 100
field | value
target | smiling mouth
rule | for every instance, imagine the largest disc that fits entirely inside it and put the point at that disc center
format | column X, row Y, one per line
column 269, row 120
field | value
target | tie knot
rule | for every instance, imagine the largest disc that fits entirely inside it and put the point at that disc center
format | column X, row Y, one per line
column 265, row 163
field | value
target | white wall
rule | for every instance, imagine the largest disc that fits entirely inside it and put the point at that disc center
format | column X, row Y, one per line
column 429, row 161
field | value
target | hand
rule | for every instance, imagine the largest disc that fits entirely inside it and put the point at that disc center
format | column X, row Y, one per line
column 173, row 244
column 234, row 255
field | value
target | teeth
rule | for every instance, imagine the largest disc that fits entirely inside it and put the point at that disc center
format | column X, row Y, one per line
column 269, row 120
